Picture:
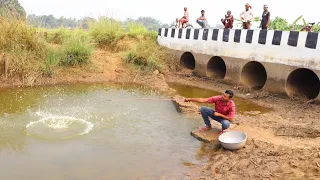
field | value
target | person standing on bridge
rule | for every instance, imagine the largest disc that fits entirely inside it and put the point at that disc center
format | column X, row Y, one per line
column 265, row 21
column 247, row 17
column 224, row 112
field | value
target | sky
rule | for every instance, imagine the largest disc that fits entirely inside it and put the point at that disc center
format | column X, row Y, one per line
column 167, row 10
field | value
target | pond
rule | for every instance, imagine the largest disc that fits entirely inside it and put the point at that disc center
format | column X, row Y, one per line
column 98, row 131
column 76, row 132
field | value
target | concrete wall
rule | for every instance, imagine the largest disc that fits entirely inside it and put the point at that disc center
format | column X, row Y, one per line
column 279, row 52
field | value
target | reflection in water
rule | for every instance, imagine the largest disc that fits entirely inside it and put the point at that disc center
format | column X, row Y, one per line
column 242, row 105
column 124, row 134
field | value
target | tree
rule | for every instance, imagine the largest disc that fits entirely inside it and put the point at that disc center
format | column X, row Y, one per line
column 84, row 22
column 150, row 23
column 279, row 24
column 12, row 9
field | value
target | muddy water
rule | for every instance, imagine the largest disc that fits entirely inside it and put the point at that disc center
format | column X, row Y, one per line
column 243, row 106
column 71, row 132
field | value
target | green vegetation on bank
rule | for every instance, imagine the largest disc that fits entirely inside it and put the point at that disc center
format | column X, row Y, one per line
column 144, row 52
column 31, row 52
column 24, row 53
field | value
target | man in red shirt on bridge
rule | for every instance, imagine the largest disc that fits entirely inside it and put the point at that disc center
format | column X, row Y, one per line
column 228, row 20
column 224, row 113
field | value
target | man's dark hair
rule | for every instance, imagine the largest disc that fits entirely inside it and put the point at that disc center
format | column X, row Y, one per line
column 231, row 94
column 202, row 11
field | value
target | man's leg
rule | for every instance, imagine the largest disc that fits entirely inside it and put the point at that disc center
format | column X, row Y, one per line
column 223, row 22
column 183, row 22
column 245, row 25
column 248, row 25
column 264, row 26
column 205, row 24
column 206, row 113
column 225, row 123
column 199, row 22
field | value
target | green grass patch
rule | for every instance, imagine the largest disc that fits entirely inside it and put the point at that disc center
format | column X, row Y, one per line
column 77, row 50
column 135, row 30
column 106, row 32
column 146, row 55
column 53, row 60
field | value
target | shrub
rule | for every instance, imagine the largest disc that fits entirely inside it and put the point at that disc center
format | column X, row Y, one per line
column 135, row 30
column 53, row 59
column 106, row 32
column 77, row 49
column 24, row 52
column 16, row 35
column 57, row 36
column 147, row 55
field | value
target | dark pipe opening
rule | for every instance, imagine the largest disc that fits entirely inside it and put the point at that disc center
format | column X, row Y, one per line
column 216, row 68
column 254, row 75
column 187, row 60
column 303, row 82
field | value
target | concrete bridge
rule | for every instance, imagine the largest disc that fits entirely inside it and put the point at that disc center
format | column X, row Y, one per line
column 285, row 62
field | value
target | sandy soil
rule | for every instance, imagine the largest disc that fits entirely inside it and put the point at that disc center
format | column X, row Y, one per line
column 282, row 144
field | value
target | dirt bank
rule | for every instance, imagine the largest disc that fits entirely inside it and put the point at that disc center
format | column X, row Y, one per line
column 283, row 143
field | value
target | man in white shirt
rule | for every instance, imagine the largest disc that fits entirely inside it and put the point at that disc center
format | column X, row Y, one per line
column 185, row 18
column 247, row 17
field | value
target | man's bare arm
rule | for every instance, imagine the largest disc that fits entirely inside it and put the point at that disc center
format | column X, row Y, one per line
column 230, row 17
column 223, row 116
column 198, row 100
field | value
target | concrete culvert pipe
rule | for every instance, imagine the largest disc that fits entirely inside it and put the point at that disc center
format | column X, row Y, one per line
column 304, row 83
column 216, row 68
column 254, row 75
column 187, row 60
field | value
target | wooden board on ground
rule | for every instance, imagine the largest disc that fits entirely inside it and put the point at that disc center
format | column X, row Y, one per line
column 209, row 136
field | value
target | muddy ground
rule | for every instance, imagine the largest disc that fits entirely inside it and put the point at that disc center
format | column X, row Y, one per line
column 282, row 144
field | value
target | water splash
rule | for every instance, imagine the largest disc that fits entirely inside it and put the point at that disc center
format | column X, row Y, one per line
column 59, row 127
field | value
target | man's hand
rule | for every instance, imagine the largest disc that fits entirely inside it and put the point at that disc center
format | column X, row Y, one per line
column 223, row 116
column 186, row 100
column 218, row 114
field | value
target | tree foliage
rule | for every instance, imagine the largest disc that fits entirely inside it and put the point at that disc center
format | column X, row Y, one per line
column 281, row 24
column 12, row 9
column 49, row 21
